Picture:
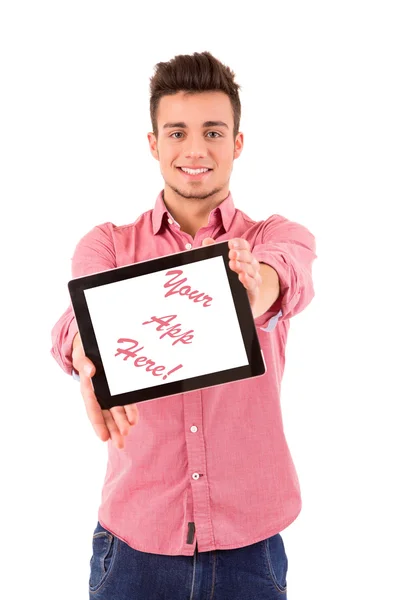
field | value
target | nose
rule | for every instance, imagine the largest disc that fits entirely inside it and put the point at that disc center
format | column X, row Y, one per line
column 195, row 154
column 195, row 146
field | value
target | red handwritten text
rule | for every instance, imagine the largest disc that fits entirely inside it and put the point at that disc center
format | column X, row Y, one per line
column 185, row 290
column 173, row 331
column 141, row 361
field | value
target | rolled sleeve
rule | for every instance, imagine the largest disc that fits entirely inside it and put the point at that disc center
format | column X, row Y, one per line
column 290, row 249
column 94, row 253
column 62, row 336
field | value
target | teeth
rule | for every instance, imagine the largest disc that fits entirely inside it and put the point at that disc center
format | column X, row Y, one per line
column 194, row 171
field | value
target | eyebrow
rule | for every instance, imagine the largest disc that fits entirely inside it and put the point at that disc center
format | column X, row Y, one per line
column 183, row 125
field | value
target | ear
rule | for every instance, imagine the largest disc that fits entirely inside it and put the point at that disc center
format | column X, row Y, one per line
column 238, row 145
column 153, row 144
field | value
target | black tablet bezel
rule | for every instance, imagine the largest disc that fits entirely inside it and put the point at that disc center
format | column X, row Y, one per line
column 77, row 287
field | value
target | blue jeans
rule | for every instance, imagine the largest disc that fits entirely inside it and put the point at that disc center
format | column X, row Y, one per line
column 255, row 572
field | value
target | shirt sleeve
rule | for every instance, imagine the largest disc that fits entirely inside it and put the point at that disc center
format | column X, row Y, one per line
column 290, row 249
column 94, row 253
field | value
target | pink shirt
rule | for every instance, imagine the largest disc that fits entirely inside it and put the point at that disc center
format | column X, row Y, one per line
column 211, row 465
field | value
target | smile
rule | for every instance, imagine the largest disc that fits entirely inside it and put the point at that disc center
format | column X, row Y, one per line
column 194, row 174
column 194, row 171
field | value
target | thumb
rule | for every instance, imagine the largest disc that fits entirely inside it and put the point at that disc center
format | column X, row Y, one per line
column 208, row 241
column 82, row 364
column 88, row 367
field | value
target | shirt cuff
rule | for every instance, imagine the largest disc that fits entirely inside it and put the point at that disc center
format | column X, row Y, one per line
column 272, row 322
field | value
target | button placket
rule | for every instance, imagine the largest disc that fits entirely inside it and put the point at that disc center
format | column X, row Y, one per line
column 197, row 467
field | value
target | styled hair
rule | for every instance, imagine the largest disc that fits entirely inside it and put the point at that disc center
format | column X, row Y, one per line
column 193, row 73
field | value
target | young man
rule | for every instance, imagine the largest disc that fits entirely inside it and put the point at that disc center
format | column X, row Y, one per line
column 200, row 485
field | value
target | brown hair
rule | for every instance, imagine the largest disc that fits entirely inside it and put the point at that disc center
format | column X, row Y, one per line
column 199, row 72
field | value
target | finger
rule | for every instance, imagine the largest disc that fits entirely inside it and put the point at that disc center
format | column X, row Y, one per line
column 251, row 284
column 93, row 408
column 250, row 280
column 251, row 268
column 84, row 366
column 238, row 244
column 208, row 241
column 115, row 433
column 80, row 362
column 132, row 413
column 245, row 256
column 121, row 419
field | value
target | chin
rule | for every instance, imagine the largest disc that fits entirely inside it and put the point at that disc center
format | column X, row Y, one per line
column 196, row 193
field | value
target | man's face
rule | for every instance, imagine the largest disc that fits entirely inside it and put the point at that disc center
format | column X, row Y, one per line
column 196, row 131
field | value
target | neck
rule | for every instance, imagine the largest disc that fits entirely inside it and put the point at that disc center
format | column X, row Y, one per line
column 192, row 213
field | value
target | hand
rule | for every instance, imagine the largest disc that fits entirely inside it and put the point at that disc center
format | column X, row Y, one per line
column 245, row 265
column 114, row 423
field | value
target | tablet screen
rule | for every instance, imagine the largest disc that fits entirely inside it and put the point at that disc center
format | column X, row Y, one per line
column 182, row 319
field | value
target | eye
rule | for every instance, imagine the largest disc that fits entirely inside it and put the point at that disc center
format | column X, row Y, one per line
column 179, row 133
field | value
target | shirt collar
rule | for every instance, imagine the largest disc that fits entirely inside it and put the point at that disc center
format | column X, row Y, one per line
column 225, row 211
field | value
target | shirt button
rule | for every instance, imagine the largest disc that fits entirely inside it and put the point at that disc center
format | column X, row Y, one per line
column 193, row 429
column 188, row 246
column 170, row 221
column 195, row 476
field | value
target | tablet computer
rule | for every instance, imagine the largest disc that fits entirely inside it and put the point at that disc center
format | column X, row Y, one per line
column 166, row 326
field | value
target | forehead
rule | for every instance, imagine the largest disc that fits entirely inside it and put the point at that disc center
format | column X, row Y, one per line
column 195, row 109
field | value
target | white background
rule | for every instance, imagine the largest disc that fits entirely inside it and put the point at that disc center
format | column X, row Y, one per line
column 320, row 96
column 118, row 310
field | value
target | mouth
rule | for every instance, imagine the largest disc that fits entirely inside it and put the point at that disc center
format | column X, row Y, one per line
column 194, row 174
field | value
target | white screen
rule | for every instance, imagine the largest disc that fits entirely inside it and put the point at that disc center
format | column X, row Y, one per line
column 207, row 338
